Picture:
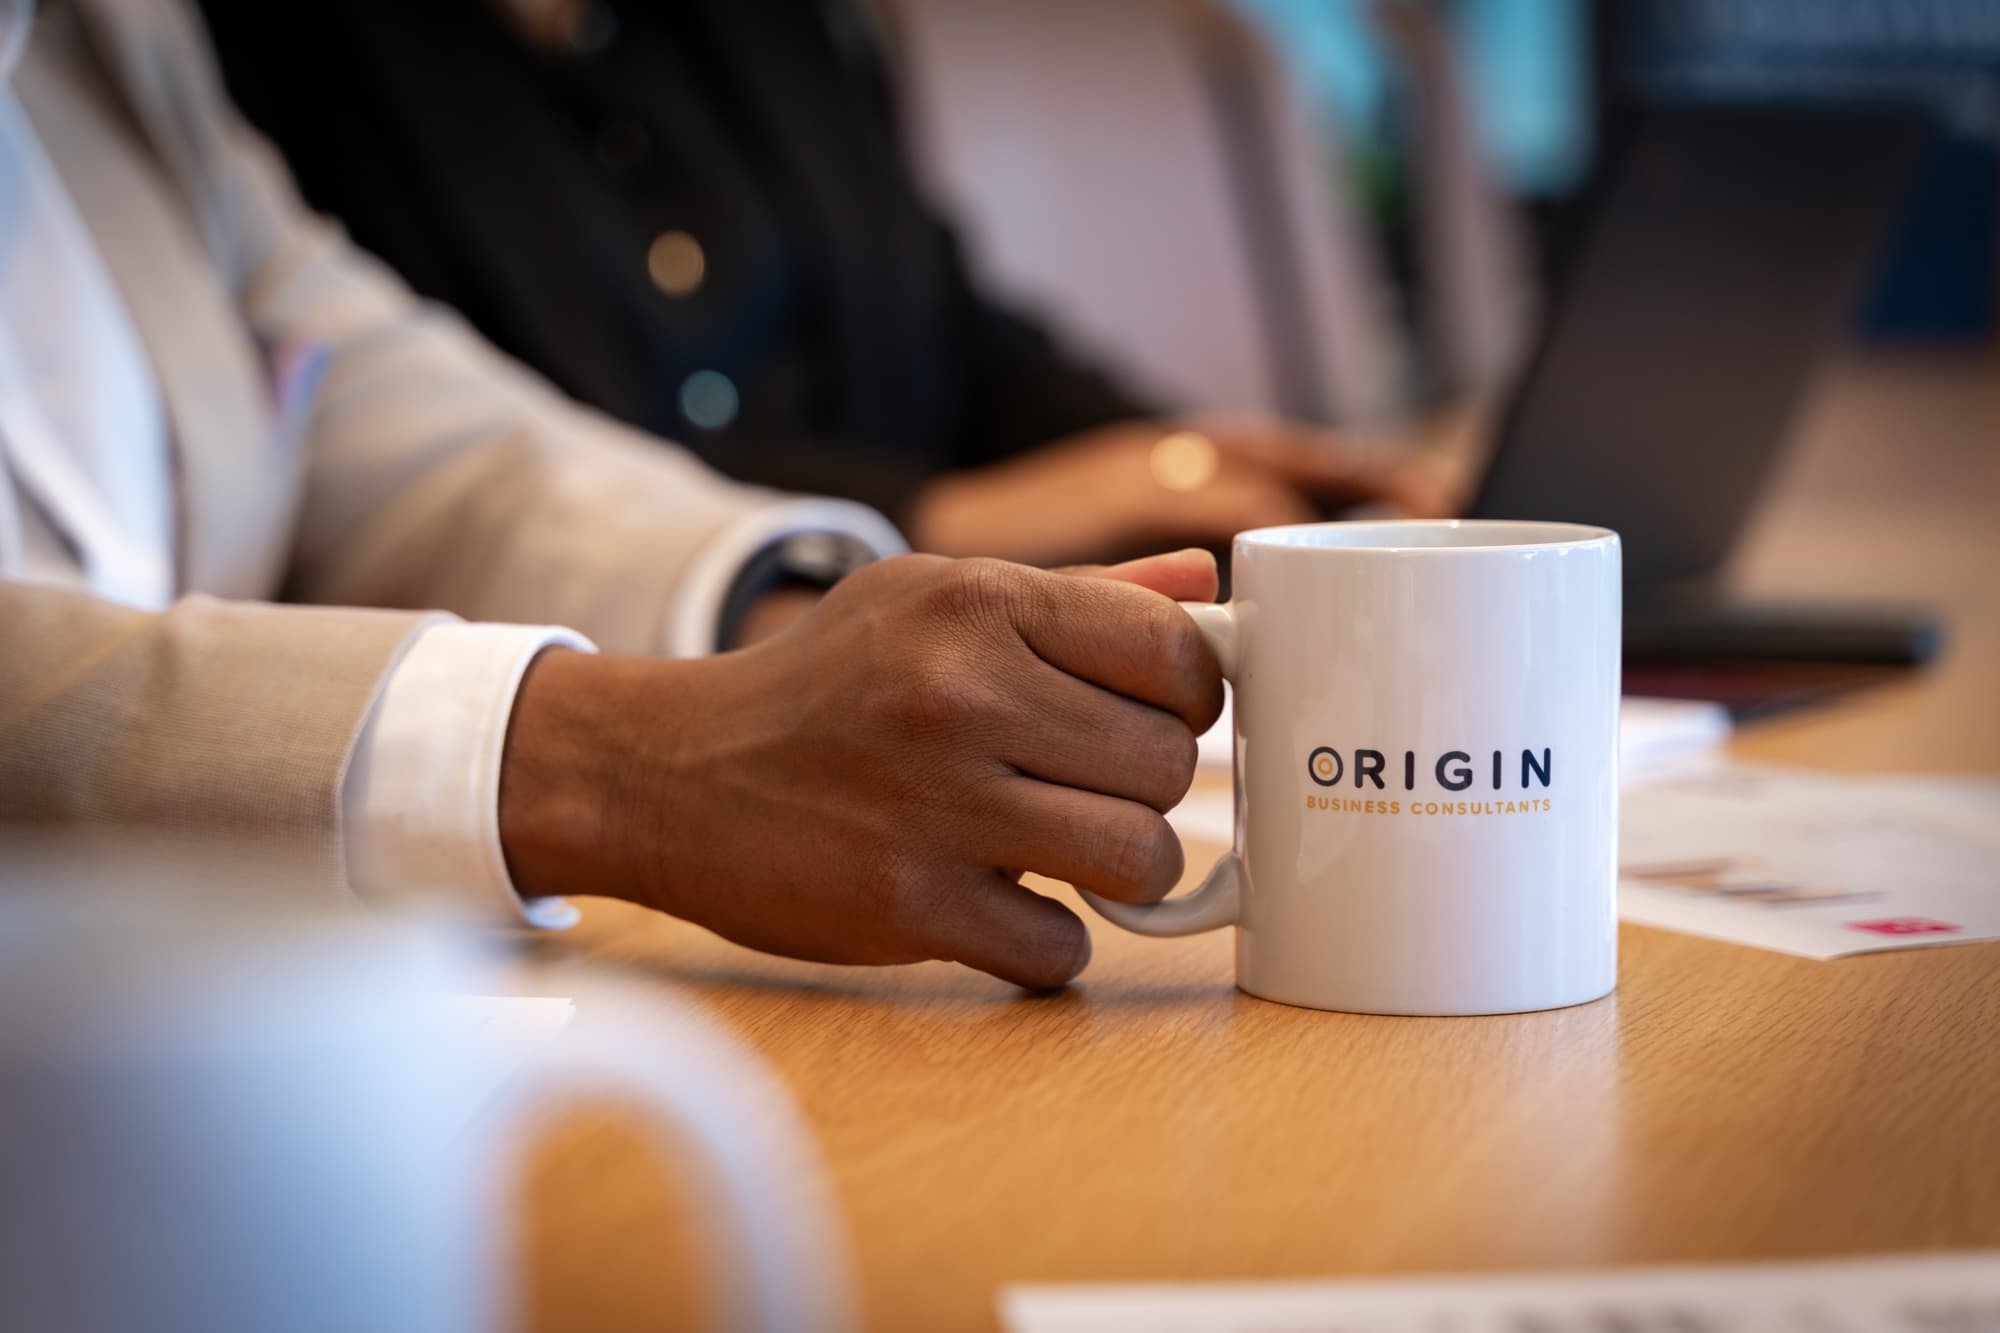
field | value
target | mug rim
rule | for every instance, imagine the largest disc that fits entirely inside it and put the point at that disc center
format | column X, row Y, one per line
column 1559, row 535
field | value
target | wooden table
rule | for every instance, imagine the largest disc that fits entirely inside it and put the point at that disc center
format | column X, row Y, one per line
column 1152, row 1122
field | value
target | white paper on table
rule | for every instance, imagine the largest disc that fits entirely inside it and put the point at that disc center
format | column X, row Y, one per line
column 1656, row 737
column 1663, row 736
column 1810, row 863
column 496, row 1034
column 1916, row 1294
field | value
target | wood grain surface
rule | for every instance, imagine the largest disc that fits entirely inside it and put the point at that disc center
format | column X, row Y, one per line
column 1152, row 1122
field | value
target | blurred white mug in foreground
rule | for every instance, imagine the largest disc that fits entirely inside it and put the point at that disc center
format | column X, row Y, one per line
column 216, row 1118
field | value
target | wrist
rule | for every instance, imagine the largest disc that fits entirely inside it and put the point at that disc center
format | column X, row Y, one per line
column 774, row 613
column 568, row 771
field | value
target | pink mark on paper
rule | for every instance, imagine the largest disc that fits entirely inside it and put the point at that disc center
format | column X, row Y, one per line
column 1904, row 925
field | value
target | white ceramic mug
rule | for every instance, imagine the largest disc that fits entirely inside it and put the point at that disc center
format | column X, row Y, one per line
column 1426, row 722
column 213, row 1122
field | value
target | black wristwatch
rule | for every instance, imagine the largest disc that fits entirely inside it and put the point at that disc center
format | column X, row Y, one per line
column 812, row 560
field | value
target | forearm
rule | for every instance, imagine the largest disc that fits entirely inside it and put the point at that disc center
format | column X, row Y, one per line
column 211, row 719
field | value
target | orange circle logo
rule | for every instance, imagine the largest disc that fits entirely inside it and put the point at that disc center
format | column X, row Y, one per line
column 1323, row 766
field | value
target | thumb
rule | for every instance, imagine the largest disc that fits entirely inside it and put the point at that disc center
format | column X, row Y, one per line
column 1185, row 576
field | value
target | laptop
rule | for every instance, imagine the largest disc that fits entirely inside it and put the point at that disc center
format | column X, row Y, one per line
column 1718, row 258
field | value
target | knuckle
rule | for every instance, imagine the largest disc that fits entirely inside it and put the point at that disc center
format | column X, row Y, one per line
column 1161, row 756
column 1179, row 754
column 1176, row 640
column 1179, row 655
column 977, row 590
column 1141, row 858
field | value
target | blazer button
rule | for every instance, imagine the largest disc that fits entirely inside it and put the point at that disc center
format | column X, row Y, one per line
column 708, row 399
column 676, row 263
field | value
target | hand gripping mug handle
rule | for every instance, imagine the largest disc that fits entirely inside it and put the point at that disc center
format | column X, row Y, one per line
column 1216, row 901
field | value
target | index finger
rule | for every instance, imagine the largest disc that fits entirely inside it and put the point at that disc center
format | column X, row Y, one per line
column 1123, row 638
column 1186, row 576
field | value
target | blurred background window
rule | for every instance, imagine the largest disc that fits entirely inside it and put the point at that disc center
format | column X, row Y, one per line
column 1527, row 61
column 1546, row 76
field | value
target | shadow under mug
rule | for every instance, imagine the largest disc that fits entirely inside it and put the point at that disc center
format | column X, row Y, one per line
column 1426, row 767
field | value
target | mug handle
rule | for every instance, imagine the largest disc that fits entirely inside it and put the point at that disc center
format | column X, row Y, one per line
column 782, row 1256
column 1217, row 900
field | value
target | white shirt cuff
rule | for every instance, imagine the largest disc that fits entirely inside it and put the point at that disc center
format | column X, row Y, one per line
column 696, row 618
column 421, row 803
